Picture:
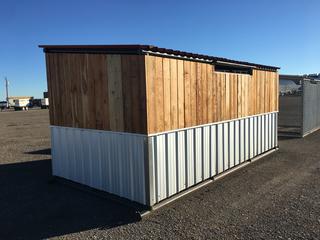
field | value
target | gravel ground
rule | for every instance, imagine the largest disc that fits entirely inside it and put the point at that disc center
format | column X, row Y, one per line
column 277, row 197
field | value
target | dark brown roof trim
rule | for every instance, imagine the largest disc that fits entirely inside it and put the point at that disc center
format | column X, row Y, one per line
column 143, row 49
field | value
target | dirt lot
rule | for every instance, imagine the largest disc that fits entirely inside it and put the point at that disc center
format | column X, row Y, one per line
column 277, row 197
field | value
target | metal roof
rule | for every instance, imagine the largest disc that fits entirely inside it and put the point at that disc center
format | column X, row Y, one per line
column 150, row 49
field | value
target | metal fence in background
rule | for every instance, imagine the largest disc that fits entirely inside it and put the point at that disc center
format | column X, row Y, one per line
column 311, row 106
column 299, row 111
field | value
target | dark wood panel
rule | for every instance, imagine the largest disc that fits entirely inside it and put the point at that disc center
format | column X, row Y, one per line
column 97, row 91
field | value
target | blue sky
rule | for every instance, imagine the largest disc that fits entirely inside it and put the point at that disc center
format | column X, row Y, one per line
column 281, row 33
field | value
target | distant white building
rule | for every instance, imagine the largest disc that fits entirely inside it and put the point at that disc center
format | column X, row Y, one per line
column 290, row 84
column 12, row 100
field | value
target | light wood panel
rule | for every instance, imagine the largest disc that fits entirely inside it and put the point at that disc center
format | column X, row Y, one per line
column 195, row 94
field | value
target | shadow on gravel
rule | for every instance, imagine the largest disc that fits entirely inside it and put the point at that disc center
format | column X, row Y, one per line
column 46, row 151
column 280, row 138
column 34, row 208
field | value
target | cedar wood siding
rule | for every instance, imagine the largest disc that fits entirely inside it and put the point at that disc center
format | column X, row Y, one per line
column 149, row 94
column 184, row 93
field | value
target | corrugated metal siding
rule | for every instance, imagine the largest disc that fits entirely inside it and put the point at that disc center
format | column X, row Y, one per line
column 311, row 110
column 186, row 157
column 108, row 161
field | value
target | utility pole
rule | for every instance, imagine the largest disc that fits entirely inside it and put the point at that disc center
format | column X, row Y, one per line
column 7, row 91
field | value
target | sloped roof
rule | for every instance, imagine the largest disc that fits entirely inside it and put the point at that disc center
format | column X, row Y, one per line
column 134, row 48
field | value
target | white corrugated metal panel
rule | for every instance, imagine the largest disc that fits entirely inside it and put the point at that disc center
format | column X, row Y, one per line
column 181, row 160
column 213, row 149
column 198, row 154
column 236, row 142
column 242, row 145
column 246, row 139
column 190, row 176
column 206, row 152
column 251, row 132
column 109, row 161
column 186, row 157
column 220, row 148
column 225, row 142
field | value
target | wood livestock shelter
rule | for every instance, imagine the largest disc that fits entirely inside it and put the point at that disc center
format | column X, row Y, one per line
column 146, row 123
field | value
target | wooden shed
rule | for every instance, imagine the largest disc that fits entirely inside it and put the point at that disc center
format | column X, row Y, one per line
column 146, row 123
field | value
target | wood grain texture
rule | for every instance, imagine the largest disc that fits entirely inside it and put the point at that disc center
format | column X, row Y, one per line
column 181, row 106
column 173, row 94
column 114, row 88
column 210, row 99
column 87, row 91
column 50, row 92
column 214, row 96
column 150, row 94
column 166, row 93
column 187, row 93
column 193, row 92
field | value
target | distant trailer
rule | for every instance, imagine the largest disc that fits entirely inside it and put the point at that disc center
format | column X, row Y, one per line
column 299, row 113
column 45, row 103
column 147, row 123
column 21, row 104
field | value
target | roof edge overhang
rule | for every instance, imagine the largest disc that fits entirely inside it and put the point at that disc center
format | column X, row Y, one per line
column 150, row 49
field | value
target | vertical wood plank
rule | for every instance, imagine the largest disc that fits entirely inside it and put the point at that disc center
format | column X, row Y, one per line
column 262, row 85
column 246, row 94
column 159, row 94
column 199, row 94
column 193, row 92
column 250, row 93
column 266, row 92
column 210, row 93
column 142, row 96
column 218, row 98
column 239, row 83
column 72, row 91
column 214, row 95
column 98, row 77
column 227, row 97
column 234, row 96
column 134, row 89
column 254, row 89
column 223, row 96
column 91, row 109
column 204, row 89
column 57, row 85
column 114, row 91
column 126, row 83
column 180, row 95
column 174, row 93
column 187, row 94
column 50, row 88
column 150, row 86
column 167, row 93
